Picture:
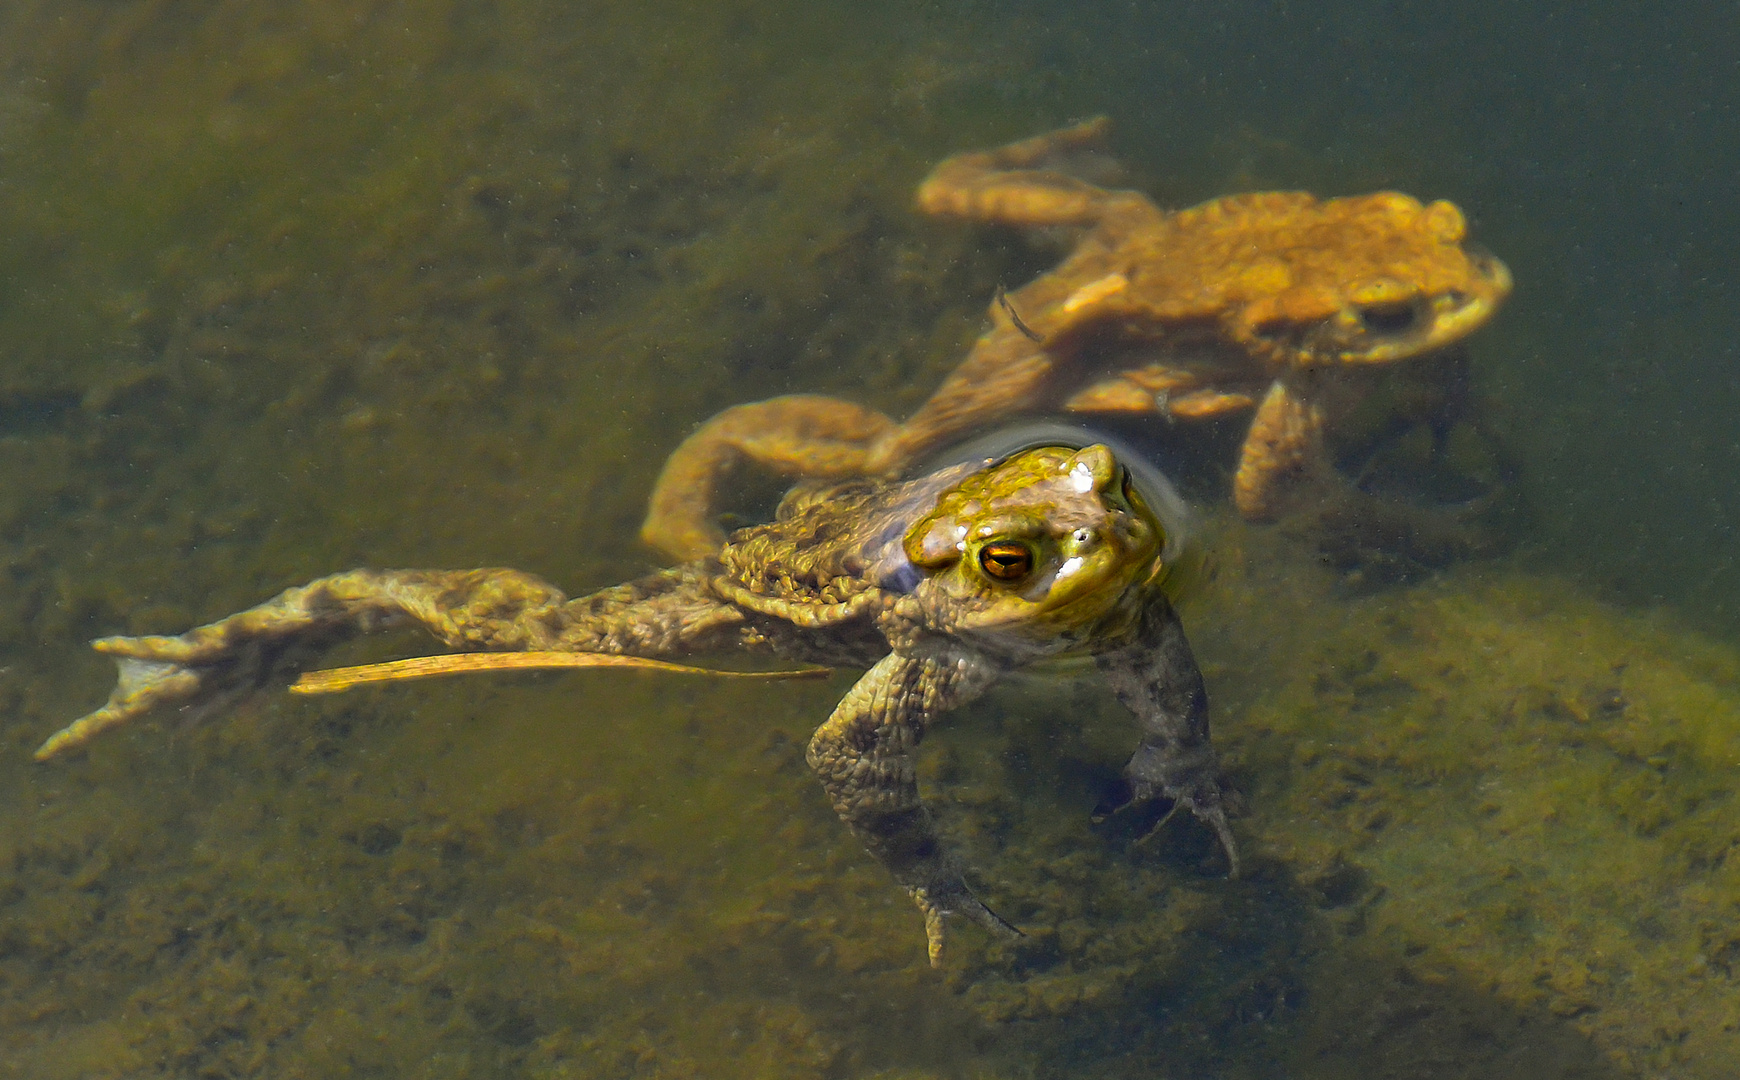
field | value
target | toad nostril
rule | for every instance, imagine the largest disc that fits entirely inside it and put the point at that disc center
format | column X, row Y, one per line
column 1388, row 318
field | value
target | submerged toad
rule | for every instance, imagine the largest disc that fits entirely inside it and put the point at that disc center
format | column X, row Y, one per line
column 938, row 585
column 1248, row 301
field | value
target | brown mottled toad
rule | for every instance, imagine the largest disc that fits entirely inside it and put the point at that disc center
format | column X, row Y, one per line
column 1248, row 301
column 937, row 585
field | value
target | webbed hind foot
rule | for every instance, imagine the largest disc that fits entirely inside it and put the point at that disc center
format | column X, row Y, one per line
column 268, row 644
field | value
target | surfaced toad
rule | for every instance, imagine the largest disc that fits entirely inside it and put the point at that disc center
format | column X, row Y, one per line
column 1254, row 301
column 937, row 585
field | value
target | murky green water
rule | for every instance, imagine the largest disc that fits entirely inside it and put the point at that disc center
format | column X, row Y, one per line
column 288, row 289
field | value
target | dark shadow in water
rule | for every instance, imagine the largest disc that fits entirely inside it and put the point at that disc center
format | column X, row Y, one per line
column 1269, row 975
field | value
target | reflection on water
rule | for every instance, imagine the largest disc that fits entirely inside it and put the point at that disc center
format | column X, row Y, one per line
column 286, row 292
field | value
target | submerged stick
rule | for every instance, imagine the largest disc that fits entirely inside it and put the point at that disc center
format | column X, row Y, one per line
column 338, row 680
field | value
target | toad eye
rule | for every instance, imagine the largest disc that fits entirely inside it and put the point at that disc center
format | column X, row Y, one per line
column 1006, row 560
column 1388, row 318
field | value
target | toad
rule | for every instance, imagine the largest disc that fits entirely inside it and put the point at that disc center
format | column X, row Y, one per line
column 937, row 586
column 1252, row 302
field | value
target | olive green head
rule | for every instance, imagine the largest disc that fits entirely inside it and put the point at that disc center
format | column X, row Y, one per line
column 1049, row 541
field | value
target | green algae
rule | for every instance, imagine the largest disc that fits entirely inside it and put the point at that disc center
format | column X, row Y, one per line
column 1486, row 833
column 290, row 290
column 1509, row 783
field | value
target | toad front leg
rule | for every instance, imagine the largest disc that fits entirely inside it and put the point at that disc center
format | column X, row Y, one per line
column 1285, row 444
column 1156, row 677
column 863, row 755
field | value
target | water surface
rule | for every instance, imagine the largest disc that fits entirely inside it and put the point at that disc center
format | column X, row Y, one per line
column 289, row 290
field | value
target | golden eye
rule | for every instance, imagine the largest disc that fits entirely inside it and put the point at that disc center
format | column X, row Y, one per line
column 1006, row 560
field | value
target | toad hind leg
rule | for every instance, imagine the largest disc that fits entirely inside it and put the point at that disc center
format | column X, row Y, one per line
column 796, row 435
column 863, row 755
column 501, row 610
column 1023, row 183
